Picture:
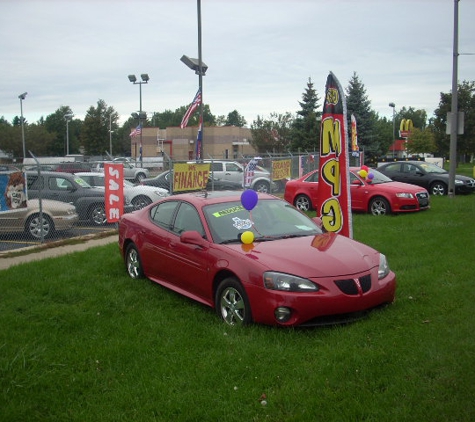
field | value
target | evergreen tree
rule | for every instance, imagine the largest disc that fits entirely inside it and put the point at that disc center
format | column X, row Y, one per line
column 235, row 119
column 95, row 130
column 306, row 126
column 358, row 104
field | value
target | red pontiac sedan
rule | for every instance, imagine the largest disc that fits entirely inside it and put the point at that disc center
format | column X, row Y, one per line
column 263, row 262
column 378, row 195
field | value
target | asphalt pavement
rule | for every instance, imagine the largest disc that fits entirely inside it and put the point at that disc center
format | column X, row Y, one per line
column 54, row 249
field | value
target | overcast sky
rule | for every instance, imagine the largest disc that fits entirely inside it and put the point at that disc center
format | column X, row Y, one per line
column 260, row 53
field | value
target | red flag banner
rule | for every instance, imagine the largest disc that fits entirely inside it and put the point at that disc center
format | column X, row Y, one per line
column 333, row 179
column 114, row 191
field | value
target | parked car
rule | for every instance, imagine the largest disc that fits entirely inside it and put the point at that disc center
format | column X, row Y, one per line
column 66, row 187
column 163, row 180
column 138, row 195
column 234, row 172
column 275, row 267
column 378, row 196
column 57, row 216
column 132, row 173
column 430, row 176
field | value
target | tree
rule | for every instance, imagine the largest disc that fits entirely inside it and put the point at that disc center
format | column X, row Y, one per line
column 420, row 142
column 466, row 104
column 358, row 104
column 306, row 126
column 95, row 131
column 235, row 119
column 273, row 134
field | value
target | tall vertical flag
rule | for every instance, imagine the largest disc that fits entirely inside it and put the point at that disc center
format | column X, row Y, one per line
column 199, row 140
column 249, row 172
column 354, row 136
column 191, row 109
column 334, row 200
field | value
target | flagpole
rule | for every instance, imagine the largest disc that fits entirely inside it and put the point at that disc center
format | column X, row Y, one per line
column 200, row 74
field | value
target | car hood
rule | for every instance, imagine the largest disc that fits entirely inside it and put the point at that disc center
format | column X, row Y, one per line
column 323, row 255
column 400, row 187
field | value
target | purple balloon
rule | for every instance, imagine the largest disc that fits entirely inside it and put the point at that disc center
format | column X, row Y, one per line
column 370, row 176
column 249, row 199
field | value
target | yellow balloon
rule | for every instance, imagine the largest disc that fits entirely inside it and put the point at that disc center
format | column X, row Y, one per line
column 363, row 173
column 247, row 237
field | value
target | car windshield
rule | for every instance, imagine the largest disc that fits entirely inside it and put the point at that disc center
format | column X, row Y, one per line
column 378, row 177
column 432, row 168
column 270, row 219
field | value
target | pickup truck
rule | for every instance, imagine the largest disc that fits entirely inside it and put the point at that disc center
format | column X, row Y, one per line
column 131, row 172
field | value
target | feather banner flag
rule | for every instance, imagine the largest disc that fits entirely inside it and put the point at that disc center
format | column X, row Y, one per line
column 334, row 202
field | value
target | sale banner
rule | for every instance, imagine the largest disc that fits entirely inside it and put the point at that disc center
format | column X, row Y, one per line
column 334, row 200
column 114, row 191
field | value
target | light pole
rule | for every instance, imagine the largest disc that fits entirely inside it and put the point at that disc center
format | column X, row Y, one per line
column 68, row 118
column 394, row 127
column 110, row 134
column 22, row 97
column 145, row 79
column 200, row 69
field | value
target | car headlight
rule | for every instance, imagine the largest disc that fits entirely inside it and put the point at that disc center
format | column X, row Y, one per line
column 288, row 283
column 161, row 193
column 405, row 195
column 383, row 269
column 459, row 182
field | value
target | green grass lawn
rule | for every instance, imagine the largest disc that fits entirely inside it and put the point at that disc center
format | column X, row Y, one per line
column 81, row 341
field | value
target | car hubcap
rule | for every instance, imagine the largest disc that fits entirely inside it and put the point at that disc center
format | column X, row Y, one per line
column 99, row 216
column 378, row 208
column 36, row 227
column 133, row 265
column 232, row 306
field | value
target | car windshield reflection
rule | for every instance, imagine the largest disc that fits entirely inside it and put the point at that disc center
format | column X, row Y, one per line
column 268, row 220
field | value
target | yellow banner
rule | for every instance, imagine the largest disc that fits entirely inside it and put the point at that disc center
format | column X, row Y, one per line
column 190, row 177
column 281, row 169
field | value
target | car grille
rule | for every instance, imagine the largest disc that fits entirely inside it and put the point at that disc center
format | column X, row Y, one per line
column 354, row 286
column 423, row 199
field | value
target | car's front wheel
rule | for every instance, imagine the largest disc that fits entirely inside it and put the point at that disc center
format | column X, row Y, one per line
column 438, row 188
column 303, row 203
column 379, row 206
column 133, row 262
column 140, row 201
column 232, row 304
column 97, row 214
column 35, row 225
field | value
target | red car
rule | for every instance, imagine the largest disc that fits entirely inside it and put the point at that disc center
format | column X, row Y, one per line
column 268, row 264
column 378, row 196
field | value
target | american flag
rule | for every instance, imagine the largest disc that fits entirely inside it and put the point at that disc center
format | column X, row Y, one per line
column 136, row 132
column 249, row 172
column 191, row 109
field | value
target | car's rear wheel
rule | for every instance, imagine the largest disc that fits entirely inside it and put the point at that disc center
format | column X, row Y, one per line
column 141, row 201
column 140, row 176
column 35, row 224
column 97, row 214
column 261, row 186
column 133, row 262
column 232, row 304
column 303, row 203
column 379, row 206
column 438, row 188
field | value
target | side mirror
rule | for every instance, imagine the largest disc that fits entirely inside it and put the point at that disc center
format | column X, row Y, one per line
column 192, row 237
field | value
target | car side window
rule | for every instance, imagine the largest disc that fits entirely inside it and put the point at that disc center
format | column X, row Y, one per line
column 162, row 214
column 59, row 183
column 34, row 182
column 216, row 166
column 187, row 218
column 232, row 167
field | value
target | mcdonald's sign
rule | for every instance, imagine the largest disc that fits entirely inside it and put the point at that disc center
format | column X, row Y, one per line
column 405, row 128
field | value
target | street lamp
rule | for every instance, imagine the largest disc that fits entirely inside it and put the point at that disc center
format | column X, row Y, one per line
column 200, row 69
column 394, row 127
column 145, row 79
column 22, row 97
column 68, row 118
